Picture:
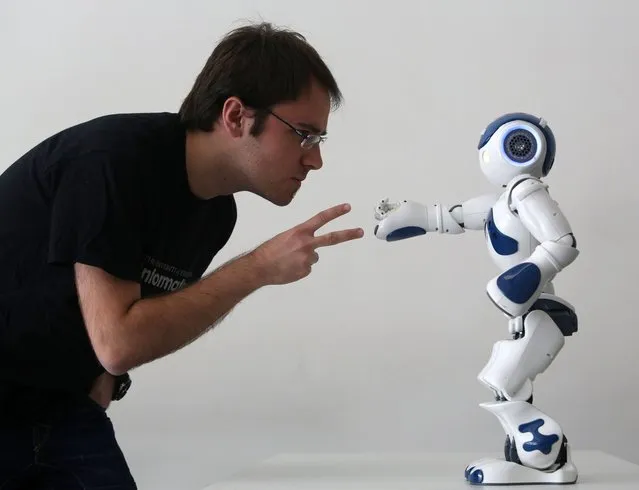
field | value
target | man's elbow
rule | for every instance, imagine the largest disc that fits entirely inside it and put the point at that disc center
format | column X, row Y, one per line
column 113, row 356
column 116, row 367
column 114, row 361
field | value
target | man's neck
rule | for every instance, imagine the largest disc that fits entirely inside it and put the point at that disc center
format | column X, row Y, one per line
column 209, row 171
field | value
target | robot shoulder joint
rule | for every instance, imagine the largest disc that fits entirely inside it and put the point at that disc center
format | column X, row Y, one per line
column 524, row 188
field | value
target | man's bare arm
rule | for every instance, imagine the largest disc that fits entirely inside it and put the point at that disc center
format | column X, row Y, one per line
column 127, row 331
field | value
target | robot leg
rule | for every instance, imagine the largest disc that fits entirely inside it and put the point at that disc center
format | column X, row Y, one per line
column 536, row 449
column 515, row 363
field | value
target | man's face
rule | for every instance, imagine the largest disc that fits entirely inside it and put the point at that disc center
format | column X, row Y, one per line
column 276, row 161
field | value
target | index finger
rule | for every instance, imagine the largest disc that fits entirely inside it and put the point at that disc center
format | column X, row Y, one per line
column 323, row 217
column 337, row 237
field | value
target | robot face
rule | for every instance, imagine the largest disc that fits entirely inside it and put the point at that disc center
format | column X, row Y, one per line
column 513, row 146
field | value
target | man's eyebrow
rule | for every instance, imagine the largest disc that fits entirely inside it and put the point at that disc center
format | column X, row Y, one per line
column 314, row 129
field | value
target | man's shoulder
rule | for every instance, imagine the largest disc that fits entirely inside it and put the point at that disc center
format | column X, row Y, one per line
column 119, row 133
column 141, row 119
column 122, row 142
column 125, row 128
column 122, row 138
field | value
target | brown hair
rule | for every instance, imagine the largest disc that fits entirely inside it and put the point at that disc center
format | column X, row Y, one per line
column 260, row 64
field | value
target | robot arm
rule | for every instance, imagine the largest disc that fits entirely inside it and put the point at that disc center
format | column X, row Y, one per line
column 407, row 219
column 518, row 288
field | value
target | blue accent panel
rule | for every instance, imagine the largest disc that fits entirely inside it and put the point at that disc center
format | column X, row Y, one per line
column 540, row 441
column 503, row 244
column 550, row 151
column 406, row 232
column 522, row 116
column 564, row 317
column 468, row 471
column 476, row 477
column 519, row 283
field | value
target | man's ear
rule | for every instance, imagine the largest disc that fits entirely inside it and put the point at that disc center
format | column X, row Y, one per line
column 235, row 117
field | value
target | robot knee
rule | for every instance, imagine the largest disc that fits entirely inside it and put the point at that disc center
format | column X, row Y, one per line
column 541, row 329
column 561, row 314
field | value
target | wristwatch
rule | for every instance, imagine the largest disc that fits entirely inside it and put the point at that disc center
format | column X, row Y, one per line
column 121, row 386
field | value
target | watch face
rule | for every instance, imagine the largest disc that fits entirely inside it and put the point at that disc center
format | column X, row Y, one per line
column 121, row 387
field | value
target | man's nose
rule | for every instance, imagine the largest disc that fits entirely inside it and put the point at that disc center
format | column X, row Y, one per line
column 313, row 158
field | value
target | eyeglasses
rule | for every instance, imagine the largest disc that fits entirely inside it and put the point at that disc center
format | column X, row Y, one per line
column 309, row 140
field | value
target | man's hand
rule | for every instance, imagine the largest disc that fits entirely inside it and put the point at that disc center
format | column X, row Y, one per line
column 289, row 256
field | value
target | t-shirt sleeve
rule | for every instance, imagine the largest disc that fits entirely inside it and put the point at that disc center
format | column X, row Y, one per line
column 95, row 217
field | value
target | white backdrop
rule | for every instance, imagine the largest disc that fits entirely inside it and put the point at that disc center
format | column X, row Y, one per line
column 380, row 347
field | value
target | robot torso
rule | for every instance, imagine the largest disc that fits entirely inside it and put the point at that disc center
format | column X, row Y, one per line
column 509, row 241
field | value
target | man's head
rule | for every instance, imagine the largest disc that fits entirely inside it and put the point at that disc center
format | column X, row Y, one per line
column 263, row 99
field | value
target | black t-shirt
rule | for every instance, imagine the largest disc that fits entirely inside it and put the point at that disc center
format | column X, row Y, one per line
column 111, row 192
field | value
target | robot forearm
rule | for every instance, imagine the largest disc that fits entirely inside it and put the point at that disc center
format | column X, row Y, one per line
column 407, row 219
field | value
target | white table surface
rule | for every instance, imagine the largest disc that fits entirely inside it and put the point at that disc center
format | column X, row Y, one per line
column 415, row 471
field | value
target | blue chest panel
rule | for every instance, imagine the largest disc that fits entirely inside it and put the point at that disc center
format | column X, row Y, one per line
column 501, row 243
column 540, row 442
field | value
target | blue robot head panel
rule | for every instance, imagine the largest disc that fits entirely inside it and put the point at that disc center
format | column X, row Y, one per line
column 519, row 145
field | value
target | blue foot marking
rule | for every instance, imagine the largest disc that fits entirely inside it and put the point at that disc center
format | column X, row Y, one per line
column 476, row 477
column 540, row 441
column 520, row 282
column 406, row 232
column 502, row 243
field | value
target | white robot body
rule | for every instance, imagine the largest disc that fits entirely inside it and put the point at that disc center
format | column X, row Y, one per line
column 509, row 241
column 530, row 241
column 515, row 363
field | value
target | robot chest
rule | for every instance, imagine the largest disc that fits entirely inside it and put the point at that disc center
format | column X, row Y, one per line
column 505, row 234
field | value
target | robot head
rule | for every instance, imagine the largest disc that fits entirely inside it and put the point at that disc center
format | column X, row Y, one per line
column 515, row 144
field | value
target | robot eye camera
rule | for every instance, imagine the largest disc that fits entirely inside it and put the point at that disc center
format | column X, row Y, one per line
column 516, row 143
column 520, row 145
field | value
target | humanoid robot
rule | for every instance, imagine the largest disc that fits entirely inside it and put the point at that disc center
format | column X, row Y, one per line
column 530, row 241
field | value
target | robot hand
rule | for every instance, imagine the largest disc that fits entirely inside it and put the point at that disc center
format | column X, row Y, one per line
column 384, row 207
column 400, row 220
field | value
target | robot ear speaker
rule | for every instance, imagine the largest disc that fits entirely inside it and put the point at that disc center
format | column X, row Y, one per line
column 547, row 165
column 550, row 150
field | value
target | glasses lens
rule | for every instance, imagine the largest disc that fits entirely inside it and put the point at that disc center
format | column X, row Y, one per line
column 311, row 140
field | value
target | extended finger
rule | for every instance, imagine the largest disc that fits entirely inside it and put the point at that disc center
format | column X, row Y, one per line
column 323, row 217
column 336, row 237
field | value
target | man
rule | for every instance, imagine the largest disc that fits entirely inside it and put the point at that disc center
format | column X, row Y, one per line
column 107, row 228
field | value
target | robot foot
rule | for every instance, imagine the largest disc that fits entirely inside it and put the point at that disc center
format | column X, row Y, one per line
column 498, row 471
column 536, row 450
